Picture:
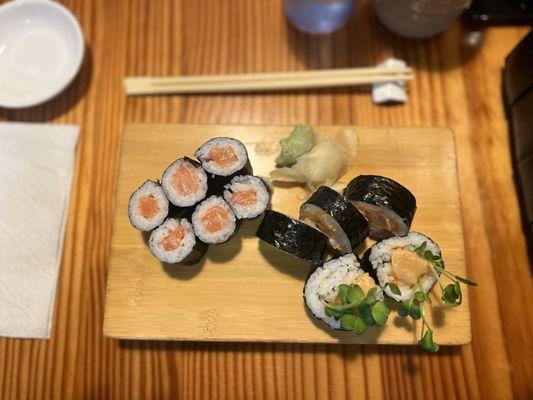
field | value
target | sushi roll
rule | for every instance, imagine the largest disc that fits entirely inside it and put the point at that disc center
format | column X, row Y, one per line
column 323, row 285
column 214, row 221
column 394, row 260
column 292, row 236
column 223, row 158
column 247, row 196
column 388, row 206
column 174, row 242
column 336, row 217
column 184, row 182
column 148, row 206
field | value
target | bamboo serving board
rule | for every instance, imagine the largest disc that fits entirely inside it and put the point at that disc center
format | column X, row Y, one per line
column 245, row 290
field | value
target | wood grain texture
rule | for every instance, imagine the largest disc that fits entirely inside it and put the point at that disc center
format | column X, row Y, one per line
column 243, row 289
column 456, row 85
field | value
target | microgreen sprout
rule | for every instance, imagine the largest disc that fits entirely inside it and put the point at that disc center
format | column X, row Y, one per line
column 356, row 311
column 451, row 293
column 415, row 307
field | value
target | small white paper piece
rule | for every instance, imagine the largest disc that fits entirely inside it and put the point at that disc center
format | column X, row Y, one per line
column 36, row 167
column 390, row 92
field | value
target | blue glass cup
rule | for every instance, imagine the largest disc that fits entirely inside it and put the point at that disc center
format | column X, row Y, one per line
column 318, row 16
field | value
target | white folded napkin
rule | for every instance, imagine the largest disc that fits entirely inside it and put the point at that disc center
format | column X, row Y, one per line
column 36, row 165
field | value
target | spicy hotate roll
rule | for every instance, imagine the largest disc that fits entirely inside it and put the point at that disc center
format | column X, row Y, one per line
column 344, row 296
column 404, row 264
column 388, row 206
column 214, row 221
column 148, row 206
column 336, row 217
column 247, row 196
column 184, row 182
column 174, row 242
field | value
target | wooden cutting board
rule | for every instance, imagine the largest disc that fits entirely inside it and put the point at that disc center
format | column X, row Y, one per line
column 245, row 290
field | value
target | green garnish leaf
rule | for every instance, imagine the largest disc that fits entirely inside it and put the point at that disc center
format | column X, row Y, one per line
column 359, row 326
column 380, row 313
column 370, row 297
column 420, row 296
column 393, row 288
column 355, row 294
column 420, row 249
column 403, row 309
column 427, row 342
column 343, row 293
column 428, row 255
column 330, row 312
column 348, row 322
column 465, row 281
column 414, row 311
column 450, row 296
column 365, row 312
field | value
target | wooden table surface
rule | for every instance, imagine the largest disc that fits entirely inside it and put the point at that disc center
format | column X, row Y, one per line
column 457, row 85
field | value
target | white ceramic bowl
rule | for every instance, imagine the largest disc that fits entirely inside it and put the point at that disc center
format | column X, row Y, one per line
column 41, row 50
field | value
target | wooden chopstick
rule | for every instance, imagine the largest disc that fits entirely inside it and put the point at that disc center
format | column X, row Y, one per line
column 265, row 81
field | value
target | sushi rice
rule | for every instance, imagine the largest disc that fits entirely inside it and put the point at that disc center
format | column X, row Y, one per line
column 173, row 241
column 325, row 280
column 213, row 220
column 380, row 258
column 148, row 206
column 222, row 156
column 247, row 196
column 184, row 182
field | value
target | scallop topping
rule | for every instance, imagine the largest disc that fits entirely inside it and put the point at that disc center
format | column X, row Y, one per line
column 215, row 219
column 408, row 266
column 148, row 206
column 223, row 156
column 365, row 282
column 173, row 240
column 185, row 179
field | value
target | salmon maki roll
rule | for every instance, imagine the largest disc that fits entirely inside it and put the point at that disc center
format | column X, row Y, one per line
column 214, row 221
column 174, row 242
column 184, row 182
column 223, row 156
column 148, row 206
column 247, row 196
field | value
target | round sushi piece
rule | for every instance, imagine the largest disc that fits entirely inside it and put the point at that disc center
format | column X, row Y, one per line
column 174, row 242
column 323, row 285
column 336, row 217
column 148, row 206
column 394, row 260
column 214, row 220
column 223, row 156
column 388, row 206
column 184, row 182
column 247, row 196
column 292, row 236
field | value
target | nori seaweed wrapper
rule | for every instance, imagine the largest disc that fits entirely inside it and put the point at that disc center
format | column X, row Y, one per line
column 384, row 193
column 292, row 236
column 352, row 222
column 216, row 183
column 198, row 252
column 366, row 265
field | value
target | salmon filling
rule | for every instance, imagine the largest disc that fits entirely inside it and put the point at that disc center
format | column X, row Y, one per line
column 185, row 179
column 223, row 156
column 148, row 206
column 407, row 266
column 173, row 240
column 215, row 219
column 244, row 198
